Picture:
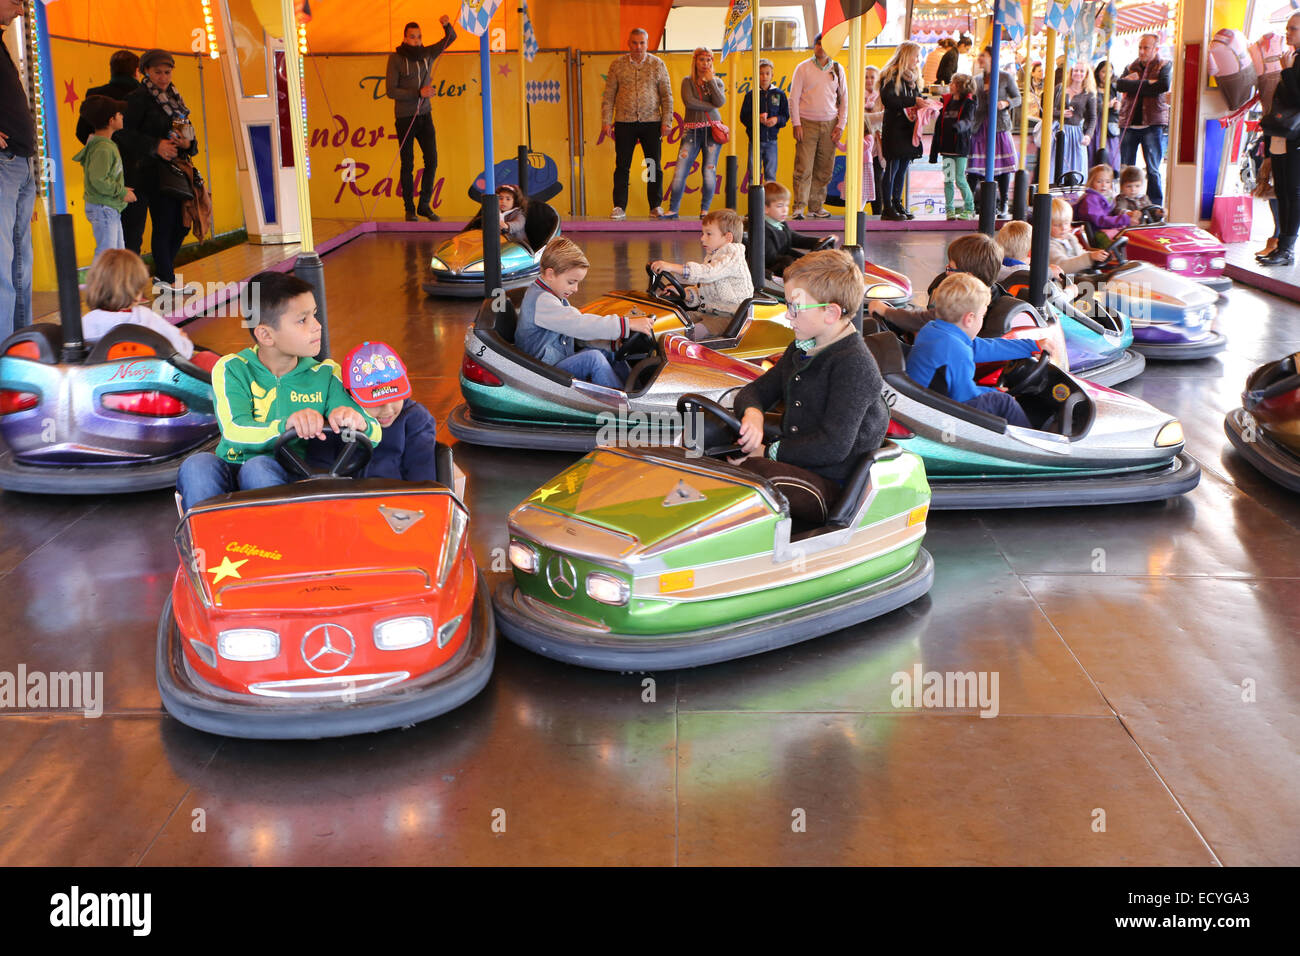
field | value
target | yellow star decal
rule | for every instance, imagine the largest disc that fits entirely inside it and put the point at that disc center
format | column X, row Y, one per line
column 545, row 493
column 227, row 569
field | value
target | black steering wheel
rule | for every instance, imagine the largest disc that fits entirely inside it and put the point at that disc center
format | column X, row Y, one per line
column 1026, row 376
column 1115, row 251
column 827, row 243
column 716, row 438
column 1153, row 214
column 351, row 459
column 676, row 288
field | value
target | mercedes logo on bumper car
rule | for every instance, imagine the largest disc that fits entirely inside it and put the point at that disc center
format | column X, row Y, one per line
column 562, row 576
column 328, row 648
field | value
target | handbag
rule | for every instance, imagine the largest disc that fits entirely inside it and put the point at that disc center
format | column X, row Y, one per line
column 720, row 132
column 174, row 180
column 1280, row 121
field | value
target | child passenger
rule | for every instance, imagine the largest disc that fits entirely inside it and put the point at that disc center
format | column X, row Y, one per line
column 1094, row 206
column 951, row 342
column 1065, row 249
column 722, row 281
column 549, row 326
column 781, row 244
column 829, row 385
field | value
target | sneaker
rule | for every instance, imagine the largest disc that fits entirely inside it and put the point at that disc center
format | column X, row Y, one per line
column 655, row 212
column 618, row 214
column 799, row 213
column 821, row 214
column 668, row 215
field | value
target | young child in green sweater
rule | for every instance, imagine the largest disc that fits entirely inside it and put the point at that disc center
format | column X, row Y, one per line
column 106, row 193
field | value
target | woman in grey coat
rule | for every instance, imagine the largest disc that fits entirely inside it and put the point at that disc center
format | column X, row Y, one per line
column 1005, row 156
column 702, row 94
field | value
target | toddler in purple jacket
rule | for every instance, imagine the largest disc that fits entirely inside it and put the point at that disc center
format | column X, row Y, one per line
column 1095, row 206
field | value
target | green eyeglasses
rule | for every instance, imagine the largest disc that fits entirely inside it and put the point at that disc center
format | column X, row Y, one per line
column 790, row 310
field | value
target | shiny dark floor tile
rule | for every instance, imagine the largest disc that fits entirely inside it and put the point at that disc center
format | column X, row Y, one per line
column 910, row 791
column 1202, row 673
column 29, row 521
column 82, row 792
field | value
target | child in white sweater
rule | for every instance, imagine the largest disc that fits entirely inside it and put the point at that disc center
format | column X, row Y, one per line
column 722, row 281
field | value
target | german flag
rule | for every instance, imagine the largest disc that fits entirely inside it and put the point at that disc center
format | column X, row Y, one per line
column 835, row 22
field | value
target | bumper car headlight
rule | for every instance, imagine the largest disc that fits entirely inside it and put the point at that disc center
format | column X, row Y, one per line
column 402, row 632
column 607, row 589
column 436, row 263
column 1177, row 263
column 474, row 267
column 1218, row 262
column 885, row 291
column 248, row 644
column 524, row 557
column 456, row 532
column 1171, row 434
column 448, row 630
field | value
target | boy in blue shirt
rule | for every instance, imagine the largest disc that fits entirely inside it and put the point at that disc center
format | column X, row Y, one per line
column 950, row 342
column 773, row 114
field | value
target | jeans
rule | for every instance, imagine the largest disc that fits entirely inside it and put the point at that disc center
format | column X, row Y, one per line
column 695, row 142
column 592, row 365
column 204, row 475
column 168, row 231
column 17, row 197
column 1153, row 140
column 954, row 174
column 411, row 129
column 106, row 224
column 626, row 137
column 894, row 180
column 1002, row 404
column 766, row 159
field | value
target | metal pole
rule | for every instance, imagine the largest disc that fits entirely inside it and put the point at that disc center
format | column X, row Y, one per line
column 524, row 141
column 853, row 138
column 307, row 266
column 65, row 272
column 1042, row 223
column 989, row 188
column 757, row 225
column 1058, row 138
column 1020, row 200
column 491, row 205
column 1099, row 156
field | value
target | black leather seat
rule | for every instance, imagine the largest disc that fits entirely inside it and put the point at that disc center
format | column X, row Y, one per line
column 1002, row 313
column 842, row 512
column 542, row 225
column 498, row 325
column 888, row 353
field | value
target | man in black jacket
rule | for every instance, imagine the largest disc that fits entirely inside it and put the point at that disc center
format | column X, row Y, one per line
column 1144, row 113
column 17, row 187
column 410, row 86
column 122, row 68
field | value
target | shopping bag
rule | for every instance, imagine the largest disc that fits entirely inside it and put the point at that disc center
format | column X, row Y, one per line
column 1231, row 218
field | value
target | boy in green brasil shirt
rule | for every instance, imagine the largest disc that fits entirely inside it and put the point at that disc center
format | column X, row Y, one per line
column 264, row 390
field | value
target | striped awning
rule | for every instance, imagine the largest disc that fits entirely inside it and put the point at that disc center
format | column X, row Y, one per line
column 1141, row 17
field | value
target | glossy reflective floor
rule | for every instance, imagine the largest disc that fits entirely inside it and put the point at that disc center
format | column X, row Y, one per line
column 1147, row 712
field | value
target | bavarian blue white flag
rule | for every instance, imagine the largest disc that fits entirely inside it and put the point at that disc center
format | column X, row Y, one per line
column 1107, row 26
column 475, row 15
column 1061, row 14
column 530, row 38
column 1085, row 33
column 1011, row 14
column 738, row 33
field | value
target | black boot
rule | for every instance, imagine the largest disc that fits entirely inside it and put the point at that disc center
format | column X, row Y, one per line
column 889, row 213
column 901, row 210
column 1283, row 255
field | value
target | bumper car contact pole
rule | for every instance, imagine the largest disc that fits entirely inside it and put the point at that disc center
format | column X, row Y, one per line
column 1042, row 222
column 524, row 139
column 854, row 218
column 307, row 266
column 1020, row 191
column 65, row 269
column 491, row 205
column 757, row 224
column 988, row 201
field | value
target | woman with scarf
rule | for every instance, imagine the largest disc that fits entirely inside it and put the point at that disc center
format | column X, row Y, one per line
column 1005, row 157
column 702, row 94
column 156, row 130
column 900, row 92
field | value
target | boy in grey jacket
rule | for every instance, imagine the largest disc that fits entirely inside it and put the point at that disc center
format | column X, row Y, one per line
column 410, row 87
column 548, row 325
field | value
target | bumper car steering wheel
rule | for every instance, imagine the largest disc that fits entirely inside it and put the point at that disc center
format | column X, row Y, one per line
column 637, row 344
column 1153, row 214
column 1026, row 376
column 351, row 459
column 827, row 243
column 676, row 291
column 721, row 428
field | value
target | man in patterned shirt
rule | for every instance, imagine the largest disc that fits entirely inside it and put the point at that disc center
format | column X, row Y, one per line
column 637, row 108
